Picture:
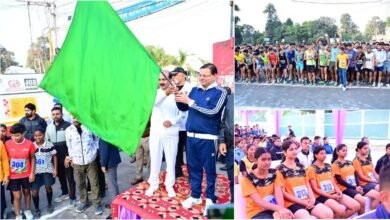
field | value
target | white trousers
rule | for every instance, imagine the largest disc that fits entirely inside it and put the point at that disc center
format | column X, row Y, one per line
column 156, row 147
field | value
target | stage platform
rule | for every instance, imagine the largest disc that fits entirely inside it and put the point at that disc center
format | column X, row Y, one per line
column 133, row 204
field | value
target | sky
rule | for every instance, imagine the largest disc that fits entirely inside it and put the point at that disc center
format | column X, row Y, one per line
column 191, row 26
column 252, row 11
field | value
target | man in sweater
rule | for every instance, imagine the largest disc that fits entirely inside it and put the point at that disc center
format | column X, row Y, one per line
column 204, row 105
column 55, row 133
column 32, row 121
column 83, row 151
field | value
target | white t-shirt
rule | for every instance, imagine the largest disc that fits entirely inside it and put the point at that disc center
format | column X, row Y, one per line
column 370, row 60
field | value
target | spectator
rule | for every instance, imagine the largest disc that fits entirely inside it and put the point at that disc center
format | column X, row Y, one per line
column 83, row 151
column 239, row 151
column 305, row 157
column 276, row 150
column 316, row 143
column 142, row 156
column 328, row 147
column 109, row 160
column 4, row 176
column 384, row 160
column 32, row 121
column 3, row 133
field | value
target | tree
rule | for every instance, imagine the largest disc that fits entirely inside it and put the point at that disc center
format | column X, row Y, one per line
column 273, row 26
column 289, row 22
column 388, row 22
column 39, row 54
column 7, row 59
column 348, row 28
column 160, row 56
column 238, row 34
column 375, row 27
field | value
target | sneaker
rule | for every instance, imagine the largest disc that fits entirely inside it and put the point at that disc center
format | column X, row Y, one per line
column 28, row 214
column 373, row 84
column 388, row 85
column 19, row 217
column 81, row 207
column 72, row 202
column 37, row 213
column 50, row 209
column 344, row 89
column 61, row 198
column 341, row 85
column 190, row 201
column 149, row 192
column 335, row 83
column 379, row 85
column 171, row 192
column 98, row 210
column 209, row 202
column 136, row 181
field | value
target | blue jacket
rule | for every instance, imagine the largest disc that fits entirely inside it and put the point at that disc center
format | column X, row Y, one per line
column 379, row 213
column 109, row 154
column 204, row 114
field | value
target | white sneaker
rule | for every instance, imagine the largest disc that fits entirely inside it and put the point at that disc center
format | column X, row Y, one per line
column 388, row 84
column 373, row 84
column 190, row 201
column 61, row 198
column 149, row 192
column 341, row 85
column 209, row 202
column 379, row 85
column 28, row 214
column 19, row 217
column 344, row 89
column 171, row 192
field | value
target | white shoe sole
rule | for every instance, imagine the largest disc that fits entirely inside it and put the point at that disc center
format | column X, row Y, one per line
column 192, row 204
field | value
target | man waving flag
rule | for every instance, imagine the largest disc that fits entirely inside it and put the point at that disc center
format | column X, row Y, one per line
column 104, row 76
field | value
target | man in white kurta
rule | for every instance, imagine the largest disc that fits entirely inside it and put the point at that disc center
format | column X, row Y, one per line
column 164, row 137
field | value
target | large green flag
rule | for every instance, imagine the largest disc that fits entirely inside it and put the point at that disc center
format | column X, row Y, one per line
column 104, row 76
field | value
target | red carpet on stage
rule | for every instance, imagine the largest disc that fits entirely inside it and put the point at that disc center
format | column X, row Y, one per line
column 161, row 206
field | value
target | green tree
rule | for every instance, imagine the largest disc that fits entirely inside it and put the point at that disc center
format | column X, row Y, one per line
column 348, row 28
column 7, row 59
column 160, row 56
column 375, row 26
column 39, row 51
column 273, row 27
column 238, row 38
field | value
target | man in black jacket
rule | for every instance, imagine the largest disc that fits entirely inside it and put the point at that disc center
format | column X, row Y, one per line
column 32, row 121
column 55, row 133
column 226, row 139
column 384, row 160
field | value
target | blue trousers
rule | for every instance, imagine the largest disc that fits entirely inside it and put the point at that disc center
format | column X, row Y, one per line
column 201, row 154
column 343, row 76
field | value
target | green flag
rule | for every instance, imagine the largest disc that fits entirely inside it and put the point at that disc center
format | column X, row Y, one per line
column 104, row 76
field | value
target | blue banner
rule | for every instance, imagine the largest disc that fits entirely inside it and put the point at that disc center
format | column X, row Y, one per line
column 145, row 7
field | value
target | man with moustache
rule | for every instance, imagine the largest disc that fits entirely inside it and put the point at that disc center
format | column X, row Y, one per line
column 164, row 136
column 179, row 78
column 204, row 104
column 32, row 121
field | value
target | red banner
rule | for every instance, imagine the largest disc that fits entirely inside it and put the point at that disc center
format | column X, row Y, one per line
column 223, row 58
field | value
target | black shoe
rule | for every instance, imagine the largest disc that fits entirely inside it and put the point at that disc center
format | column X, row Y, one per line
column 224, row 168
column 136, row 181
column 179, row 174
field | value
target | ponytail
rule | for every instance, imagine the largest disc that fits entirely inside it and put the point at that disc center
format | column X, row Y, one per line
column 336, row 150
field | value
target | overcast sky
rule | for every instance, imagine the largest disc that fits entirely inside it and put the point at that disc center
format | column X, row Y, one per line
column 192, row 26
column 252, row 11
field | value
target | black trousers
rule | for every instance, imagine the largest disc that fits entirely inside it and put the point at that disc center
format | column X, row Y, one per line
column 180, row 152
column 65, row 176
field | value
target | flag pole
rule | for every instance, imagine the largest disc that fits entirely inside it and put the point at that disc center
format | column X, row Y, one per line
column 170, row 82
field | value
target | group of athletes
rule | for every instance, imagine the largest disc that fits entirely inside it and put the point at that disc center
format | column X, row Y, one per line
column 318, row 63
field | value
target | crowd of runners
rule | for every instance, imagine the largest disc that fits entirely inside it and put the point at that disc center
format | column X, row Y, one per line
column 323, row 62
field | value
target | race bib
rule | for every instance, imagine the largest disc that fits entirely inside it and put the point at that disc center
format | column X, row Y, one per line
column 359, row 62
column 371, row 175
column 270, row 199
column 309, row 56
column 18, row 165
column 343, row 63
column 351, row 180
column 326, row 186
column 301, row 192
column 282, row 61
column 40, row 161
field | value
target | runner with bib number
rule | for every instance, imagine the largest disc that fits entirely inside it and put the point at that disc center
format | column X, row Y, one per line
column 262, row 190
column 325, row 189
column 297, row 192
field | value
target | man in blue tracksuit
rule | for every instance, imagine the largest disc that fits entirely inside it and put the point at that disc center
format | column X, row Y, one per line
column 204, row 105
